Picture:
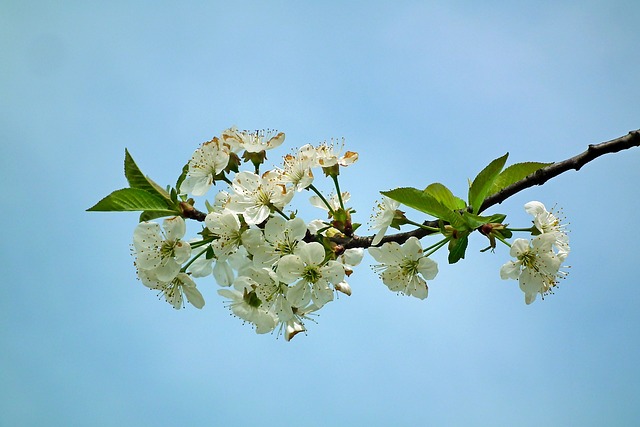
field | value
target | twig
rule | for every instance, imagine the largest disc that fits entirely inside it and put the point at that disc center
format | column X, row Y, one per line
column 632, row 139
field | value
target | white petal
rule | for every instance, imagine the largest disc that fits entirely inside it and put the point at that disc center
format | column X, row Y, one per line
column 299, row 294
column 428, row 268
column 174, row 228
column 290, row 268
column 311, row 253
column 223, row 273
column 510, row 270
column 534, row 208
column 518, row 247
column 274, row 229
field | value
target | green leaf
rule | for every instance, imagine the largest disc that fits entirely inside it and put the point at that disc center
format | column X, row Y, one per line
column 425, row 202
column 130, row 199
column 515, row 173
column 484, row 181
column 457, row 248
column 475, row 221
column 137, row 179
column 445, row 196
column 419, row 200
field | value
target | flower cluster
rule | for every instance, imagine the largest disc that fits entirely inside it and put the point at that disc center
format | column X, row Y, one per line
column 538, row 262
column 274, row 269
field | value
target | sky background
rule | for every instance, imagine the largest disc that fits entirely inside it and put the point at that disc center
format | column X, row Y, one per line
column 425, row 92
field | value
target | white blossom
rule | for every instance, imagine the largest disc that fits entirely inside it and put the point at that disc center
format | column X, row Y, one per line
column 404, row 268
column 161, row 251
column 548, row 223
column 254, row 196
column 252, row 141
column 330, row 154
column 297, row 170
column 246, row 305
column 536, row 267
column 210, row 159
column 174, row 289
column 382, row 218
column 312, row 276
column 227, row 228
column 280, row 238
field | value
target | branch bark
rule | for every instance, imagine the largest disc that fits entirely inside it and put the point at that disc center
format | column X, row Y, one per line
column 632, row 139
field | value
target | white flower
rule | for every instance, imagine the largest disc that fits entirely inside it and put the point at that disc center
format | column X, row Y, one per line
column 311, row 275
column 246, row 304
column 297, row 170
column 547, row 223
column 254, row 196
column 383, row 217
column 207, row 161
column 242, row 305
column 161, row 251
column 349, row 259
column 404, row 268
column 281, row 238
column 536, row 266
column 254, row 141
column 331, row 155
column 227, row 228
column 174, row 289
column 295, row 324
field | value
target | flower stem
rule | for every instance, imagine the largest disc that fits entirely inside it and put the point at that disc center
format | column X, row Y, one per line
column 431, row 249
column 284, row 215
column 502, row 239
column 335, row 181
column 424, row 227
column 319, row 194
column 184, row 269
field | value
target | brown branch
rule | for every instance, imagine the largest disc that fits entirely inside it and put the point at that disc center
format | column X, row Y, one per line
column 632, row 139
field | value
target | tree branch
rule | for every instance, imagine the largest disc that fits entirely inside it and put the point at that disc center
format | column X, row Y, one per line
column 632, row 139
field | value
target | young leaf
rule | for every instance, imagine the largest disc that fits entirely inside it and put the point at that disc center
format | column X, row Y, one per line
column 515, row 173
column 130, row 199
column 445, row 196
column 484, row 181
column 425, row 202
column 475, row 221
column 418, row 200
column 137, row 179
column 457, row 248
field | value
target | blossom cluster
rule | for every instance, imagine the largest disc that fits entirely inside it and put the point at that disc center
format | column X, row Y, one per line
column 538, row 262
column 274, row 269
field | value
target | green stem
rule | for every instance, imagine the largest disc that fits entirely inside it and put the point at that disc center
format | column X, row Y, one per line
column 425, row 227
column 319, row 194
column 433, row 248
column 184, row 269
column 280, row 212
column 203, row 242
column 502, row 239
column 335, row 181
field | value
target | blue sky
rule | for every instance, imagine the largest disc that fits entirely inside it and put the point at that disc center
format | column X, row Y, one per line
column 425, row 92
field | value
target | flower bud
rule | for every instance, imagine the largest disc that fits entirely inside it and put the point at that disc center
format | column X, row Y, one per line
column 344, row 288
